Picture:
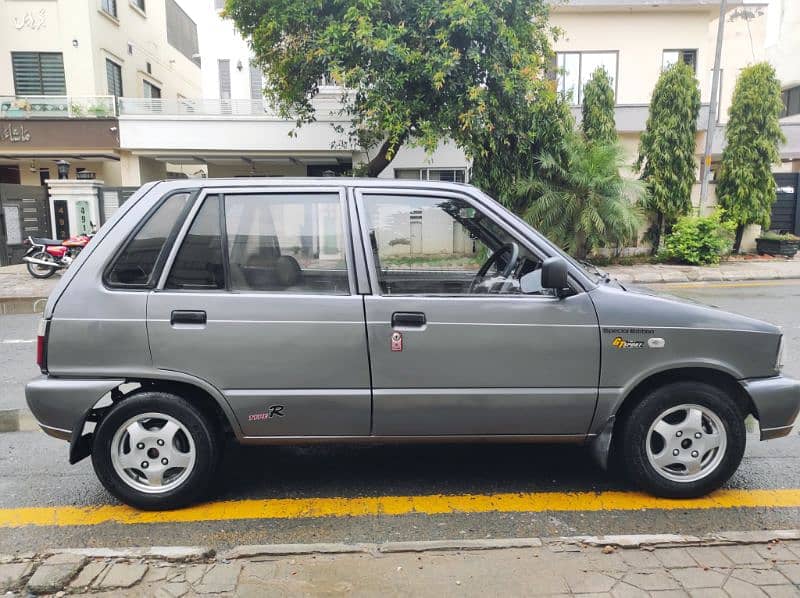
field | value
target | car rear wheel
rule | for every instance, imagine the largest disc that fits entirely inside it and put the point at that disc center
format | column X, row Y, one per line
column 683, row 440
column 154, row 450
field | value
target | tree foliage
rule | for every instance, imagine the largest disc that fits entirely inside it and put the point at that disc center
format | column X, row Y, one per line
column 598, row 108
column 667, row 147
column 410, row 70
column 581, row 201
column 745, row 183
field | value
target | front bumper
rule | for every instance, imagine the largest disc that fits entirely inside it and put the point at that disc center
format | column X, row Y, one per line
column 777, row 403
column 60, row 405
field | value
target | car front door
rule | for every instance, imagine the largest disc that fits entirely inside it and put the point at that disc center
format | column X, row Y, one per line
column 455, row 351
column 257, row 299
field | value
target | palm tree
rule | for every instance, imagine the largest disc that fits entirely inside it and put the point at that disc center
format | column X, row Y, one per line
column 582, row 201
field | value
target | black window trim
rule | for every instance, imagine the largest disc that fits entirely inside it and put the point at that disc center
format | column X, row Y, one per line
column 155, row 275
column 223, row 193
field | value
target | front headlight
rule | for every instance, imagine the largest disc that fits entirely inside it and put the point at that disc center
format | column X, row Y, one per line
column 781, row 357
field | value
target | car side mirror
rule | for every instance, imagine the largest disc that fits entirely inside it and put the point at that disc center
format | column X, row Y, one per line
column 554, row 274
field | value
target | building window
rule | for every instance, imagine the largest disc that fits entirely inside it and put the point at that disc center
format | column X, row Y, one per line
column 670, row 57
column 109, row 7
column 452, row 175
column 182, row 32
column 38, row 73
column 224, row 67
column 791, row 101
column 114, row 78
column 151, row 91
column 576, row 68
column 256, row 83
column 138, row 4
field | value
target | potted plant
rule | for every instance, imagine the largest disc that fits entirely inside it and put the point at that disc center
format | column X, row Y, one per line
column 774, row 243
column 19, row 107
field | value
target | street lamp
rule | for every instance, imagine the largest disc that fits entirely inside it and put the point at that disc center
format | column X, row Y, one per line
column 63, row 169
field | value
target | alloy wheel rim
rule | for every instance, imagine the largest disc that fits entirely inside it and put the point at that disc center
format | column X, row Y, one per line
column 153, row 453
column 686, row 443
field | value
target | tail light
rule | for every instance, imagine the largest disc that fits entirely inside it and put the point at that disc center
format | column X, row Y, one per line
column 41, row 345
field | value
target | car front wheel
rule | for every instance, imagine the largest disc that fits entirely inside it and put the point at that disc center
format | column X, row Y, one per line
column 154, row 450
column 683, row 440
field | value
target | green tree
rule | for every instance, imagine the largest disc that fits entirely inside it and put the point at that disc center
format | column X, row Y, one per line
column 411, row 71
column 581, row 201
column 745, row 183
column 667, row 148
column 598, row 108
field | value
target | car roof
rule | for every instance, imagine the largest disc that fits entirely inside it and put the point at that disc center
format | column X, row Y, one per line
column 311, row 182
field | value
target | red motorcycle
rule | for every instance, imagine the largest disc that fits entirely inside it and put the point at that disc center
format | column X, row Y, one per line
column 45, row 256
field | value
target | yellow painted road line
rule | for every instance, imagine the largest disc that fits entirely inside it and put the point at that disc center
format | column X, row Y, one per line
column 727, row 285
column 436, row 504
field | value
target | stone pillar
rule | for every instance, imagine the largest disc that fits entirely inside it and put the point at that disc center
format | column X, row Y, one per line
column 74, row 206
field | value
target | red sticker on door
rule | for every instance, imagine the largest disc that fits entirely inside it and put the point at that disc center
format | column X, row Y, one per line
column 397, row 341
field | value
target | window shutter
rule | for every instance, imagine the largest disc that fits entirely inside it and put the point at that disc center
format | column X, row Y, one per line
column 224, row 79
column 38, row 73
column 114, row 78
column 256, row 83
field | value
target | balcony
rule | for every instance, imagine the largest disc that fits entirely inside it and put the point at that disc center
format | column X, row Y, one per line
column 57, row 107
column 327, row 105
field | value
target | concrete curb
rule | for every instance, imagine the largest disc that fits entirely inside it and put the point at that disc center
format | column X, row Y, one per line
column 556, row 544
column 699, row 276
column 17, row 420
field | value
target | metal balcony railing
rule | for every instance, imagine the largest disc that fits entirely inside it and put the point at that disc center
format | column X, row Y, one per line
column 58, row 107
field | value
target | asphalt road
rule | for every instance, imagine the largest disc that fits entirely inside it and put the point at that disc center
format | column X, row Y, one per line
column 34, row 473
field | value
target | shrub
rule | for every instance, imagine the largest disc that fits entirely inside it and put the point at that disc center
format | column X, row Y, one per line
column 776, row 236
column 699, row 239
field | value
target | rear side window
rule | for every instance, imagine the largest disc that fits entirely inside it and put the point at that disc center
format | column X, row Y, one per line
column 135, row 266
column 198, row 264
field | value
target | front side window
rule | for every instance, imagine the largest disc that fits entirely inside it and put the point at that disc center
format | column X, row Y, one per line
column 443, row 246
column 135, row 266
column 38, row 73
column 287, row 243
column 576, row 68
column 198, row 264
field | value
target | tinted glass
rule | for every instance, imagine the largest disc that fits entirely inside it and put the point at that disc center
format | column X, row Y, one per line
column 287, row 243
column 135, row 265
column 198, row 264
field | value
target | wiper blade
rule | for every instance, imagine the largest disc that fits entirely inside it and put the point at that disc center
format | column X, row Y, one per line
column 604, row 275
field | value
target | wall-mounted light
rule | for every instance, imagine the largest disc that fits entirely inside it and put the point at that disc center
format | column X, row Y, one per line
column 74, row 43
column 239, row 65
column 63, row 169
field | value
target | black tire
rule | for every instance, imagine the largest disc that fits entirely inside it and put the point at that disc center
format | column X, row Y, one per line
column 203, row 433
column 637, row 423
column 40, row 271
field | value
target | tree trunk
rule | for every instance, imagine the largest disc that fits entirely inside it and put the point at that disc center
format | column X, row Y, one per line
column 580, row 246
column 382, row 159
column 657, row 232
column 737, row 243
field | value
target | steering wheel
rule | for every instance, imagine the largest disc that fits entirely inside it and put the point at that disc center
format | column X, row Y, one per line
column 512, row 249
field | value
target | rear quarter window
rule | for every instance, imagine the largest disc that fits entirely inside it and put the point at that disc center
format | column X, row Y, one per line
column 135, row 266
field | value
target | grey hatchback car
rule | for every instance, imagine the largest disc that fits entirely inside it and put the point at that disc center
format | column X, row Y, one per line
column 350, row 310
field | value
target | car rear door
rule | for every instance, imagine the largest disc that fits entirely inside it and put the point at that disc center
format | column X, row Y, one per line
column 446, row 361
column 257, row 298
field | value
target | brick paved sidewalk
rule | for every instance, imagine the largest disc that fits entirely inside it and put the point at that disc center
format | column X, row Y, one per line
column 557, row 567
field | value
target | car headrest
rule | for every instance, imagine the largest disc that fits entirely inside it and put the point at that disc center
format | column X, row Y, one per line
column 287, row 271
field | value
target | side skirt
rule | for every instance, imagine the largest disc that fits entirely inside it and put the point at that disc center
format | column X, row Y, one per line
column 496, row 438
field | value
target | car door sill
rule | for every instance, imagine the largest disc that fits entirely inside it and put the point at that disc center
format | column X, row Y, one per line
column 509, row 438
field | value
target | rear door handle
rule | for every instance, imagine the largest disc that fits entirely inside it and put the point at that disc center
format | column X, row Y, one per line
column 408, row 319
column 188, row 317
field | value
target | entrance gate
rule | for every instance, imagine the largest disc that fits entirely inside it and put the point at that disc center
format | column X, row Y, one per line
column 23, row 211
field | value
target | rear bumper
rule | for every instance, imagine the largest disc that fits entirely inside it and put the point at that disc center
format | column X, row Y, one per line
column 60, row 405
column 777, row 403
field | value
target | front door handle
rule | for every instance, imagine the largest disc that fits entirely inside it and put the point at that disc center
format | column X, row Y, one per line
column 188, row 317
column 408, row 319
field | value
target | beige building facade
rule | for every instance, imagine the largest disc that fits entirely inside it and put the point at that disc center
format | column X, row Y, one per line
column 63, row 66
